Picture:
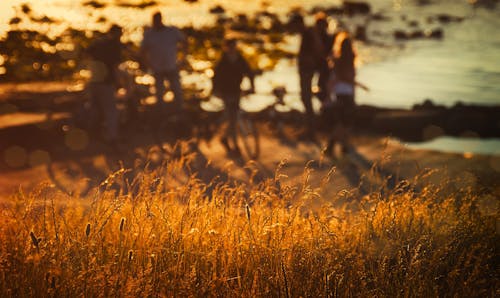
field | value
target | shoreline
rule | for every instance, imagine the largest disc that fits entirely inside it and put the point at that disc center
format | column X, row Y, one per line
column 49, row 101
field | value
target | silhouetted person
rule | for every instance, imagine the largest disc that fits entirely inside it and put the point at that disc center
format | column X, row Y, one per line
column 310, row 57
column 228, row 75
column 159, row 49
column 106, row 56
column 343, row 83
column 324, row 70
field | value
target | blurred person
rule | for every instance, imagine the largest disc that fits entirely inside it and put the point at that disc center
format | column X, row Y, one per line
column 228, row 75
column 321, row 26
column 312, row 54
column 341, row 110
column 106, row 55
column 159, row 49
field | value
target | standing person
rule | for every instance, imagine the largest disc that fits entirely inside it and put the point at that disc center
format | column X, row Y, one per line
column 159, row 50
column 228, row 75
column 106, row 56
column 343, row 83
column 321, row 26
column 310, row 57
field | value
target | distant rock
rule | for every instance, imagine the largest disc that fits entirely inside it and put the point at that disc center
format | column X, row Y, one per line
column 413, row 23
column 436, row 34
column 446, row 18
column 217, row 10
column 379, row 17
column 26, row 8
column 349, row 8
column 354, row 7
column 44, row 19
column 141, row 5
column 15, row 21
column 360, row 33
column 94, row 4
column 400, row 35
column 489, row 4
column 417, row 34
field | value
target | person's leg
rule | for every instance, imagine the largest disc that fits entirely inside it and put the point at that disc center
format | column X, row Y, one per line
column 324, row 77
column 176, row 87
column 159, row 87
column 346, row 118
column 109, row 110
column 306, row 97
column 94, row 112
column 159, row 108
column 231, row 108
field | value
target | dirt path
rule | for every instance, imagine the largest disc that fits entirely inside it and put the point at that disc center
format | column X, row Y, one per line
column 26, row 147
column 374, row 161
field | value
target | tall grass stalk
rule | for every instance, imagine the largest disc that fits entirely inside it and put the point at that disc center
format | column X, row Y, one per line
column 265, row 239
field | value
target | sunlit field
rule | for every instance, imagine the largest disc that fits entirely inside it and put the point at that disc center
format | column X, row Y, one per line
column 147, row 199
column 165, row 233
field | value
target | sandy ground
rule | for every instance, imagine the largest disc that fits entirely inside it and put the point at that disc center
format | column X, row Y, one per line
column 375, row 161
column 365, row 169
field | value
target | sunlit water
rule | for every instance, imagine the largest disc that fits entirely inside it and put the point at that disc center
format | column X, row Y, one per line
column 467, row 146
column 464, row 66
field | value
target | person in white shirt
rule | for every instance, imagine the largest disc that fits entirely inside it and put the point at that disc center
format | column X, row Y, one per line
column 159, row 50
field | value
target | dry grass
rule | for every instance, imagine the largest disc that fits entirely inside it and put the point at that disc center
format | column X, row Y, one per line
column 167, row 238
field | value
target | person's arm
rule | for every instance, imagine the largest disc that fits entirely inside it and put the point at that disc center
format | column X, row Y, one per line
column 216, row 79
column 362, row 86
column 182, row 47
column 143, row 53
column 319, row 48
column 248, row 72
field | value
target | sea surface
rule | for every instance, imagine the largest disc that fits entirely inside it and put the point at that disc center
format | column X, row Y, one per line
column 464, row 66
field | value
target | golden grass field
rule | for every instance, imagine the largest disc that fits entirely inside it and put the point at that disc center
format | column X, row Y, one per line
column 168, row 234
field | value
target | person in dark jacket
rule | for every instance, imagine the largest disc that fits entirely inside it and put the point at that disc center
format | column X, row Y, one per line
column 311, row 60
column 228, row 75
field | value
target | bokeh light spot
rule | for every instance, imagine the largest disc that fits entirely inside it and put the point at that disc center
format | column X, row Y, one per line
column 8, row 108
column 15, row 156
column 488, row 205
column 432, row 132
column 38, row 157
column 468, row 155
column 495, row 163
column 470, row 134
column 169, row 96
column 76, row 139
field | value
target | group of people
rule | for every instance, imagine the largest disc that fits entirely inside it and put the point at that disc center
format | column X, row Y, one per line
column 331, row 57
column 159, row 50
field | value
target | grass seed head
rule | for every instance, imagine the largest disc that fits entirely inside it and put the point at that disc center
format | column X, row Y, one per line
column 248, row 212
column 122, row 224
column 34, row 239
column 87, row 230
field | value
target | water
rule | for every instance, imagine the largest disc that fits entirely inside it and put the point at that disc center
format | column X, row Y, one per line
column 464, row 66
column 467, row 146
